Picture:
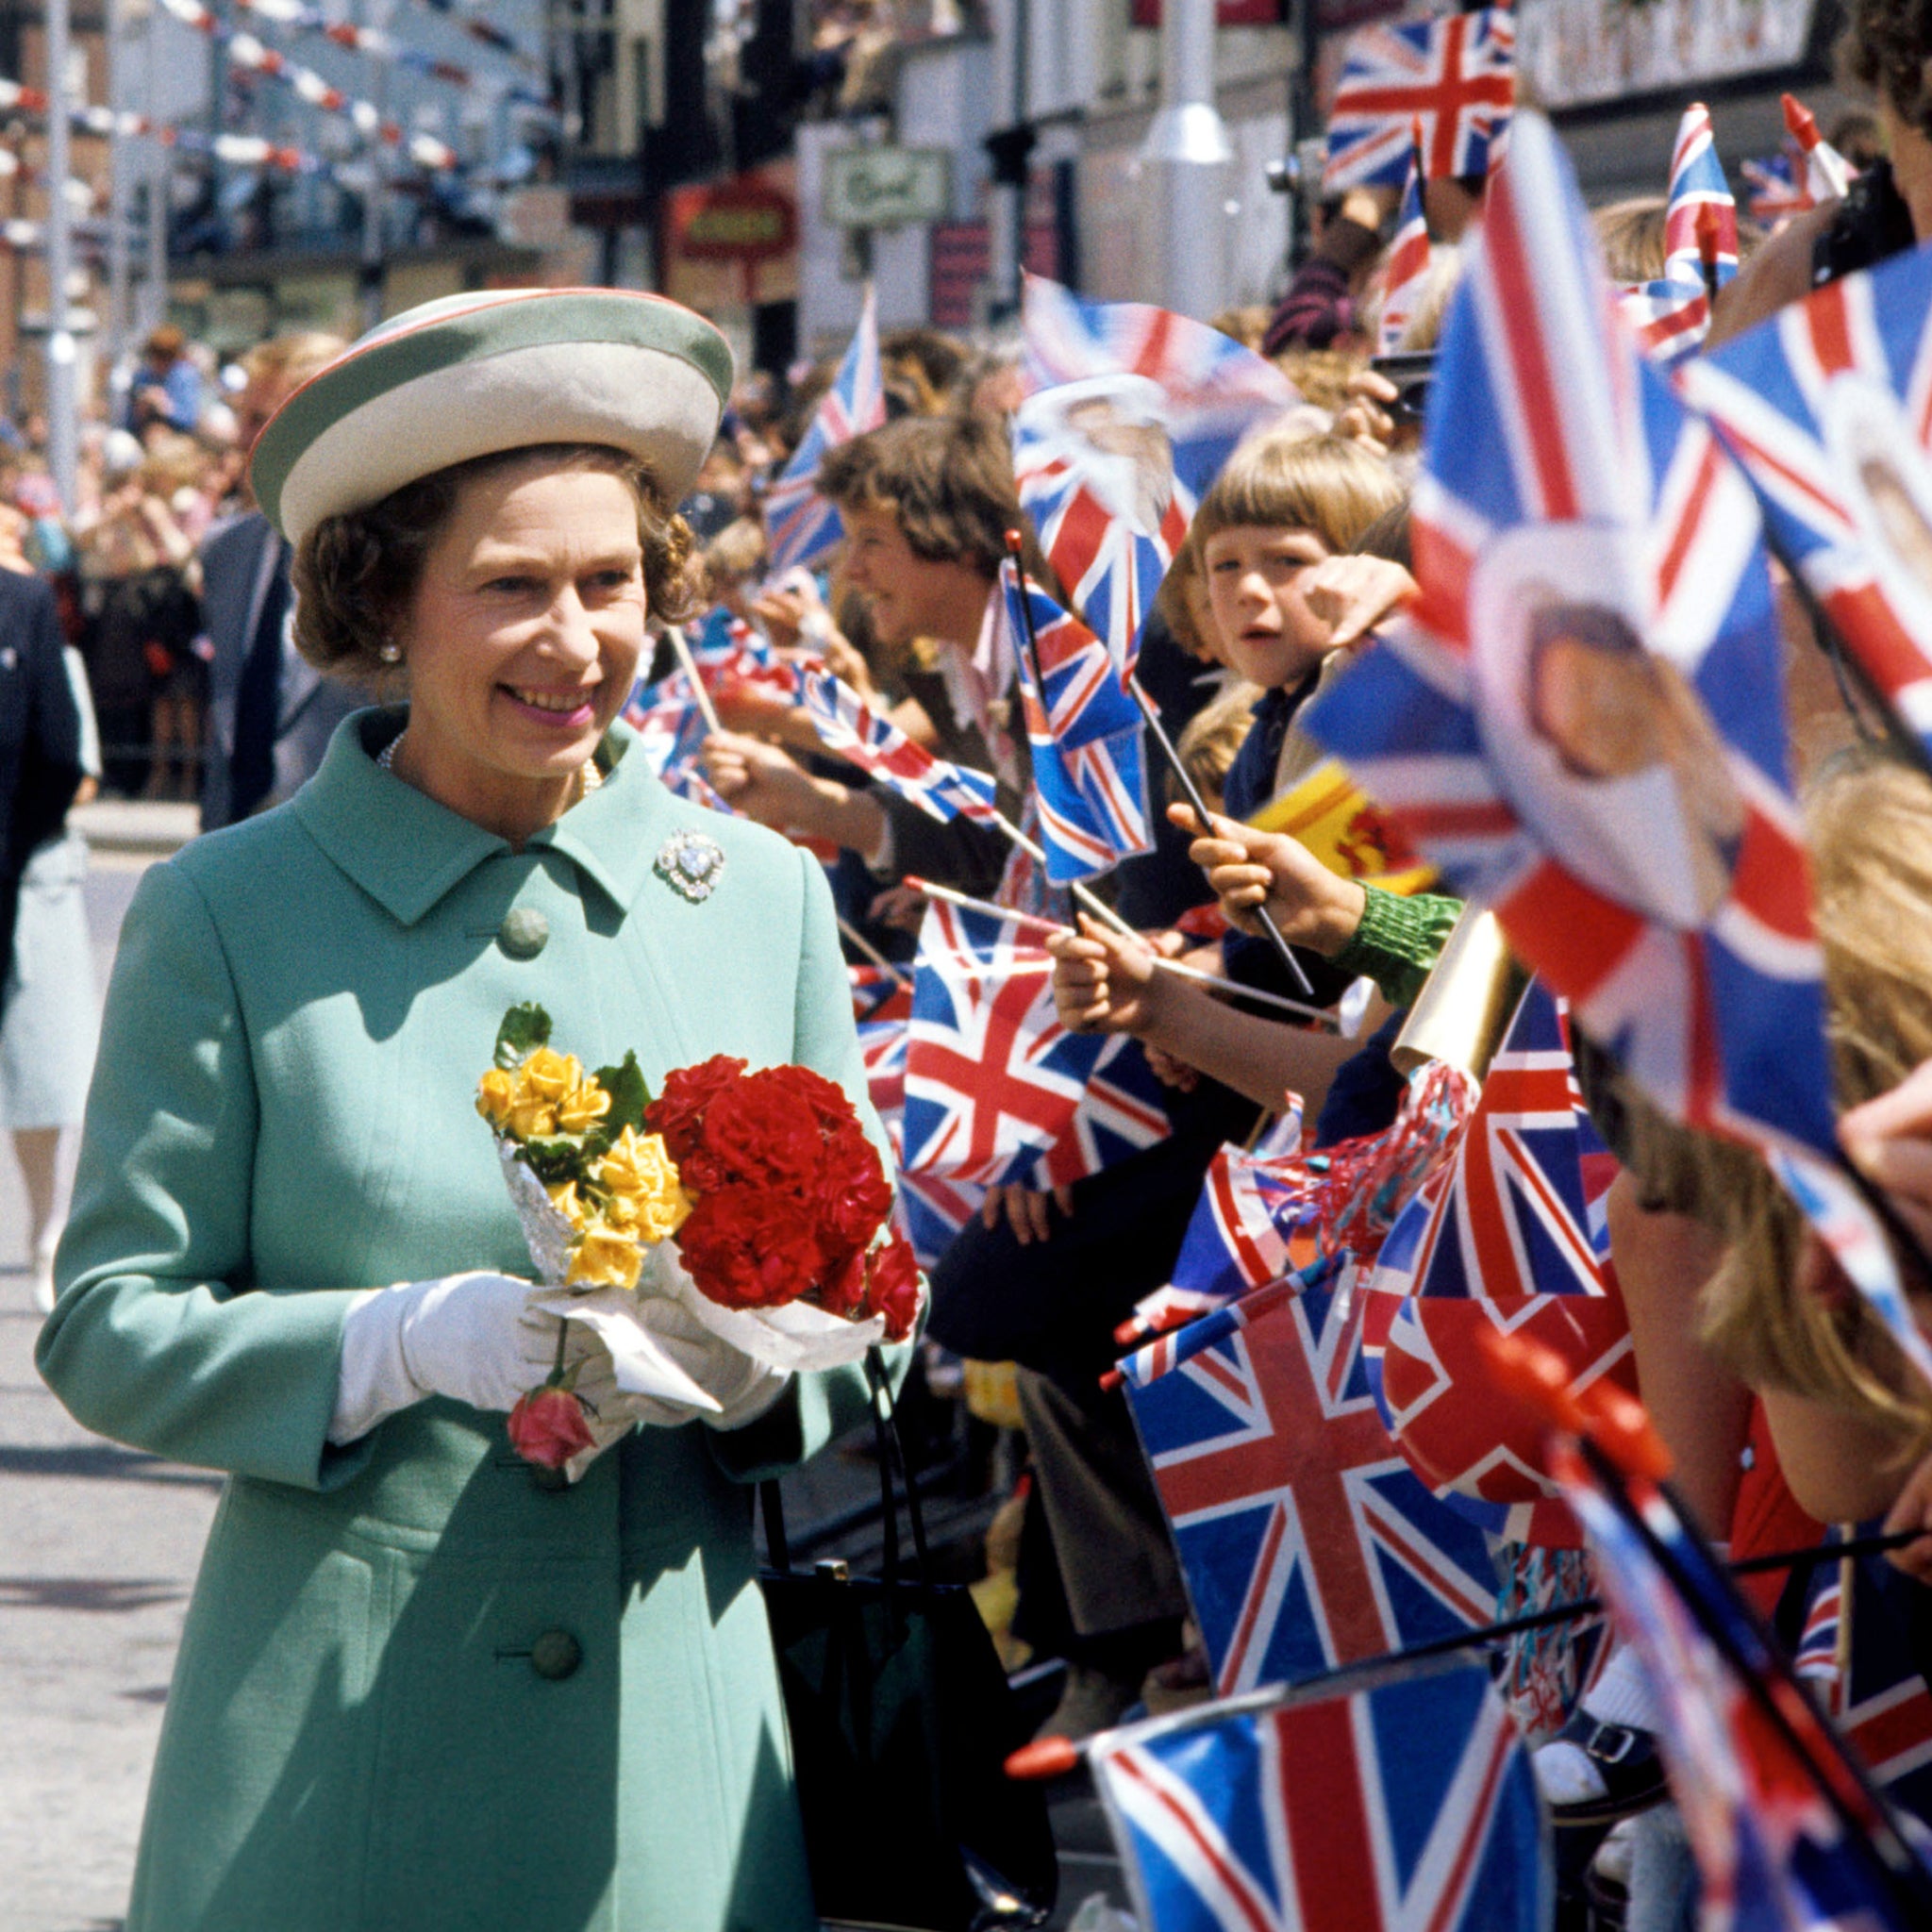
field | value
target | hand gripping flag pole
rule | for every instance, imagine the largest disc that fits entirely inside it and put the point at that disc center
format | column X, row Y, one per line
column 1199, row 804
column 1179, row 968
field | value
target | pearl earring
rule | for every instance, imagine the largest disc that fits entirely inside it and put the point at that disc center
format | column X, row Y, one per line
column 392, row 652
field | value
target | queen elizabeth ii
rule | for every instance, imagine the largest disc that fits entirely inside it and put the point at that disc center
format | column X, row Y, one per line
column 416, row 1689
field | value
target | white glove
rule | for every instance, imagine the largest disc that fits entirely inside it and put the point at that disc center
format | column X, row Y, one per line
column 670, row 1367
column 479, row 1337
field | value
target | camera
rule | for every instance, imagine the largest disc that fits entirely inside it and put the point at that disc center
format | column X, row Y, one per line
column 1299, row 172
column 1410, row 374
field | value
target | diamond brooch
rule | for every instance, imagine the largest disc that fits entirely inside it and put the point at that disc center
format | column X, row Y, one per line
column 691, row 864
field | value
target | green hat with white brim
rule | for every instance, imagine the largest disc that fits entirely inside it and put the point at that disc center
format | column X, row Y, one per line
column 471, row 376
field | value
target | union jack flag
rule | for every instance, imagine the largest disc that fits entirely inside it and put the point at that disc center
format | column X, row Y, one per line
column 932, row 1209
column 1511, row 1234
column 849, row 729
column 1857, row 1654
column 996, row 1089
column 1776, row 193
column 1237, row 1238
column 672, row 729
column 1307, row 1540
column 1456, row 75
column 1828, row 407
column 1672, row 317
column 1770, row 1851
column 1582, row 544
column 1407, row 1807
column 1407, row 273
column 882, row 1050
column 720, row 640
column 1088, row 766
column 1668, row 317
column 799, row 524
column 1697, row 182
column 876, row 994
column 1132, row 412
column 1827, row 174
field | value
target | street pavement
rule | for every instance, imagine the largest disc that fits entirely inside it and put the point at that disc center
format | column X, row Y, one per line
column 98, row 1551
column 98, row 1547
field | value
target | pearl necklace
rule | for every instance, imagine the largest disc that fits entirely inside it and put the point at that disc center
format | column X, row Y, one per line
column 587, row 780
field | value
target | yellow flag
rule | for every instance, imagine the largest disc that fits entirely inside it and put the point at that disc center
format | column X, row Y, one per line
column 1332, row 818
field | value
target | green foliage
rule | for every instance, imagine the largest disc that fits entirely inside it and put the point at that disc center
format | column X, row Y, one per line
column 630, row 1096
column 553, row 1158
column 524, row 1030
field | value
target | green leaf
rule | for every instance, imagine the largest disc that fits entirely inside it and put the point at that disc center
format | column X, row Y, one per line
column 630, row 1096
column 553, row 1158
column 524, row 1030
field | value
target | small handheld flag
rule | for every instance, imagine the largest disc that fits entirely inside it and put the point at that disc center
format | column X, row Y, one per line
column 1089, row 770
column 1407, row 273
column 799, row 524
column 1456, row 75
column 1131, row 412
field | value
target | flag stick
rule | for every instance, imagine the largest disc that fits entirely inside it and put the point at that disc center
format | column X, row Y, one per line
column 1420, row 1660
column 1091, row 901
column 1031, row 643
column 860, row 943
column 1178, row 967
column 1262, row 916
column 682, row 646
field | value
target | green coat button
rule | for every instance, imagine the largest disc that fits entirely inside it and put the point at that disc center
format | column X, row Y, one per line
column 524, row 933
column 555, row 1654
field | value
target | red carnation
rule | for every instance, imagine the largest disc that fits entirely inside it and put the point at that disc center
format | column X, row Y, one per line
column 749, row 1247
column 679, row 1112
column 827, row 1099
column 548, row 1426
column 893, row 1286
column 851, row 1195
column 845, row 1293
column 760, row 1130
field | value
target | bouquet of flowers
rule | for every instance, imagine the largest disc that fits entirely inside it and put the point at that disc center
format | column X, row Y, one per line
column 752, row 1201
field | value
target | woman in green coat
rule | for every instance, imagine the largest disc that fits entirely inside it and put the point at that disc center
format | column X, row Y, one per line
column 418, row 1689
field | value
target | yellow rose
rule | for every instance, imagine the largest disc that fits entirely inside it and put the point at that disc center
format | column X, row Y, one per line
column 530, row 1119
column 639, row 1171
column 548, row 1074
column 582, row 1107
column 564, row 1199
column 604, row 1256
column 496, row 1093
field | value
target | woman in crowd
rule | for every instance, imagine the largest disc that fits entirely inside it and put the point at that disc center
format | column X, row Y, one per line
column 416, row 1686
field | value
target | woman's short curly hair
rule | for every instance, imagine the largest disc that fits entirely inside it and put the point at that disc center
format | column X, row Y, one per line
column 356, row 575
column 1886, row 45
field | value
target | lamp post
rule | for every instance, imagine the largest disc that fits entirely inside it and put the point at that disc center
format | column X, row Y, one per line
column 117, row 193
column 63, row 399
column 1186, row 151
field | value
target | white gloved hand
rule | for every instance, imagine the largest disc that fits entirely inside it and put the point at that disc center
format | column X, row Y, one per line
column 480, row 1338
column 670, row 1368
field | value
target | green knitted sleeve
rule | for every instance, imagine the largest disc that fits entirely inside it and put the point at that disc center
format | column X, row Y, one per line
column 1399, row 940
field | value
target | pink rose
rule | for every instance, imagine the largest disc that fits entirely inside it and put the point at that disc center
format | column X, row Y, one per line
column 547, row 1427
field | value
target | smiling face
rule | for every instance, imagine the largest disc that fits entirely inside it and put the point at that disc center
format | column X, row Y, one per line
column 910, row 596
column 1254, row 577
column 521, row 642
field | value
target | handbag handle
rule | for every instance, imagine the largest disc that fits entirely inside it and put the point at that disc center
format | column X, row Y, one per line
column 891, row 1454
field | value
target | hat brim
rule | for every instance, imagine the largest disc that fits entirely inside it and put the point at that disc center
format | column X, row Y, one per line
column 472, row 377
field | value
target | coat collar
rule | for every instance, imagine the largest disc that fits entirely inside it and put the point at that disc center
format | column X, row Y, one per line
column 407, row 851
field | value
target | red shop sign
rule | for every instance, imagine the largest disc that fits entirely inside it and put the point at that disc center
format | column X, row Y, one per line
column 741, row 220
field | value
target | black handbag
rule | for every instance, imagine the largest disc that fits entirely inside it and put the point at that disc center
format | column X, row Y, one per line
column 901, row 1722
